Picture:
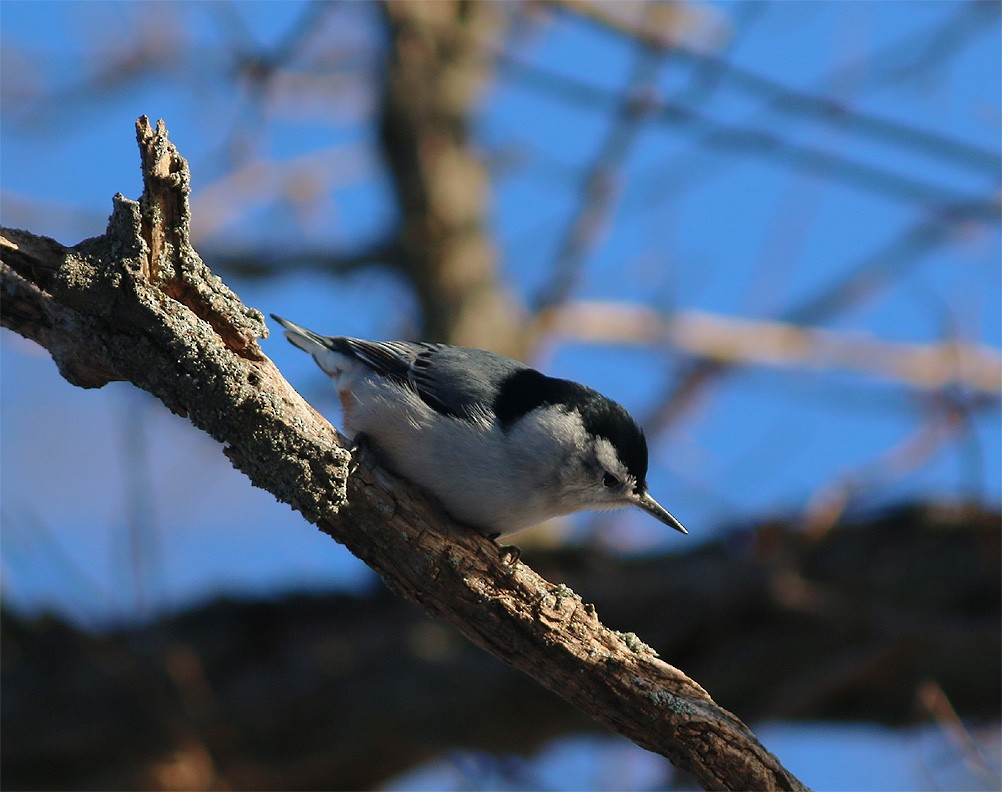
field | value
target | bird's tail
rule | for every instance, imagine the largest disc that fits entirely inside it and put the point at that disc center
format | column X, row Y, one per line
column 300, row 336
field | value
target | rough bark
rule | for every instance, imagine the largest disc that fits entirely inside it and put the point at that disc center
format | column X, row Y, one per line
column 137, row 304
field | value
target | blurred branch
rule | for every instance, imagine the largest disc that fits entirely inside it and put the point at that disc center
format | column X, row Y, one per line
column 258, row 63
column 828, row 505
column 793, row 101
column 872, row 273
column 259, row 263
column 920, row 52
column 933, row 700
column 139, row 305
column 879, row 269
column 821, row 636
column 433, row 77
column 599, row 191
column 731, row 341
column 731, row 137
column 257, row 182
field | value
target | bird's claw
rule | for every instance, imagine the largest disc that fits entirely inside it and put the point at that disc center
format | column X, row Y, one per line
column 509, row 554
column 359, row 443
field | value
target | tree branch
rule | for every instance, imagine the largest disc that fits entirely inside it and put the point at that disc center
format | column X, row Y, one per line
column 795, row 101
column 138, row 304
column 713, row 133
column 433, row 75
column 731, row 341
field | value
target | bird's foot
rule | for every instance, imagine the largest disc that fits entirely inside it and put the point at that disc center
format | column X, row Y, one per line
column 509, row 554
column 358, row 444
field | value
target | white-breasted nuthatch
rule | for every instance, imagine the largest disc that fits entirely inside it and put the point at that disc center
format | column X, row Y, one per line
column 499, row 444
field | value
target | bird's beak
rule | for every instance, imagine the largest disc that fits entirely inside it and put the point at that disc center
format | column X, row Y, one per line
column 656, row 510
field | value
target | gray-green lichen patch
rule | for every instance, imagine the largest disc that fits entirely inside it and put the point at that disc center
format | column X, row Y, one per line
column 669, row 702
column 634, row 644
column 560, row 593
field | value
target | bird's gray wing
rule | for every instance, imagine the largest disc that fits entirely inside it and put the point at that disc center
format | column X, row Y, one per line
column 461, row 382
column 392, row 359
column 452, row 380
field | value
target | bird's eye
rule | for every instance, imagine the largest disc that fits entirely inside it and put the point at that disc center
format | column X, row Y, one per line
column 610, row 480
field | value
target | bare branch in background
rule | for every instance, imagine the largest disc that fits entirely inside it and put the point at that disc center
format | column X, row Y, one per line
column 600, row 188
column 933, row 699
column 727, row 137
column 725, row 340
column 434, row 75
column 874, row 273
column 828, row 505
column 322, row 261
column 975, row 17
column 819, row 639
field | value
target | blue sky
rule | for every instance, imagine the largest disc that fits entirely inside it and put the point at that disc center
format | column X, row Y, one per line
column 694, row 226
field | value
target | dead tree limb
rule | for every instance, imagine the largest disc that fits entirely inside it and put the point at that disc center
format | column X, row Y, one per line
column 138, row 304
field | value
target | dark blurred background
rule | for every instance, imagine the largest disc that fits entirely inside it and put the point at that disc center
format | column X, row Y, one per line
column 771, row 230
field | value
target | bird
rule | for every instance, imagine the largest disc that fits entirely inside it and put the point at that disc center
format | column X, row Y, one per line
column 500, row 445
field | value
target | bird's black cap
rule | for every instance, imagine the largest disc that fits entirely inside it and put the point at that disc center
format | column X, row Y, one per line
column 526, row 389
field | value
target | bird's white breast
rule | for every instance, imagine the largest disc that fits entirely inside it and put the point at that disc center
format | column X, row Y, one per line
column 490, row 480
